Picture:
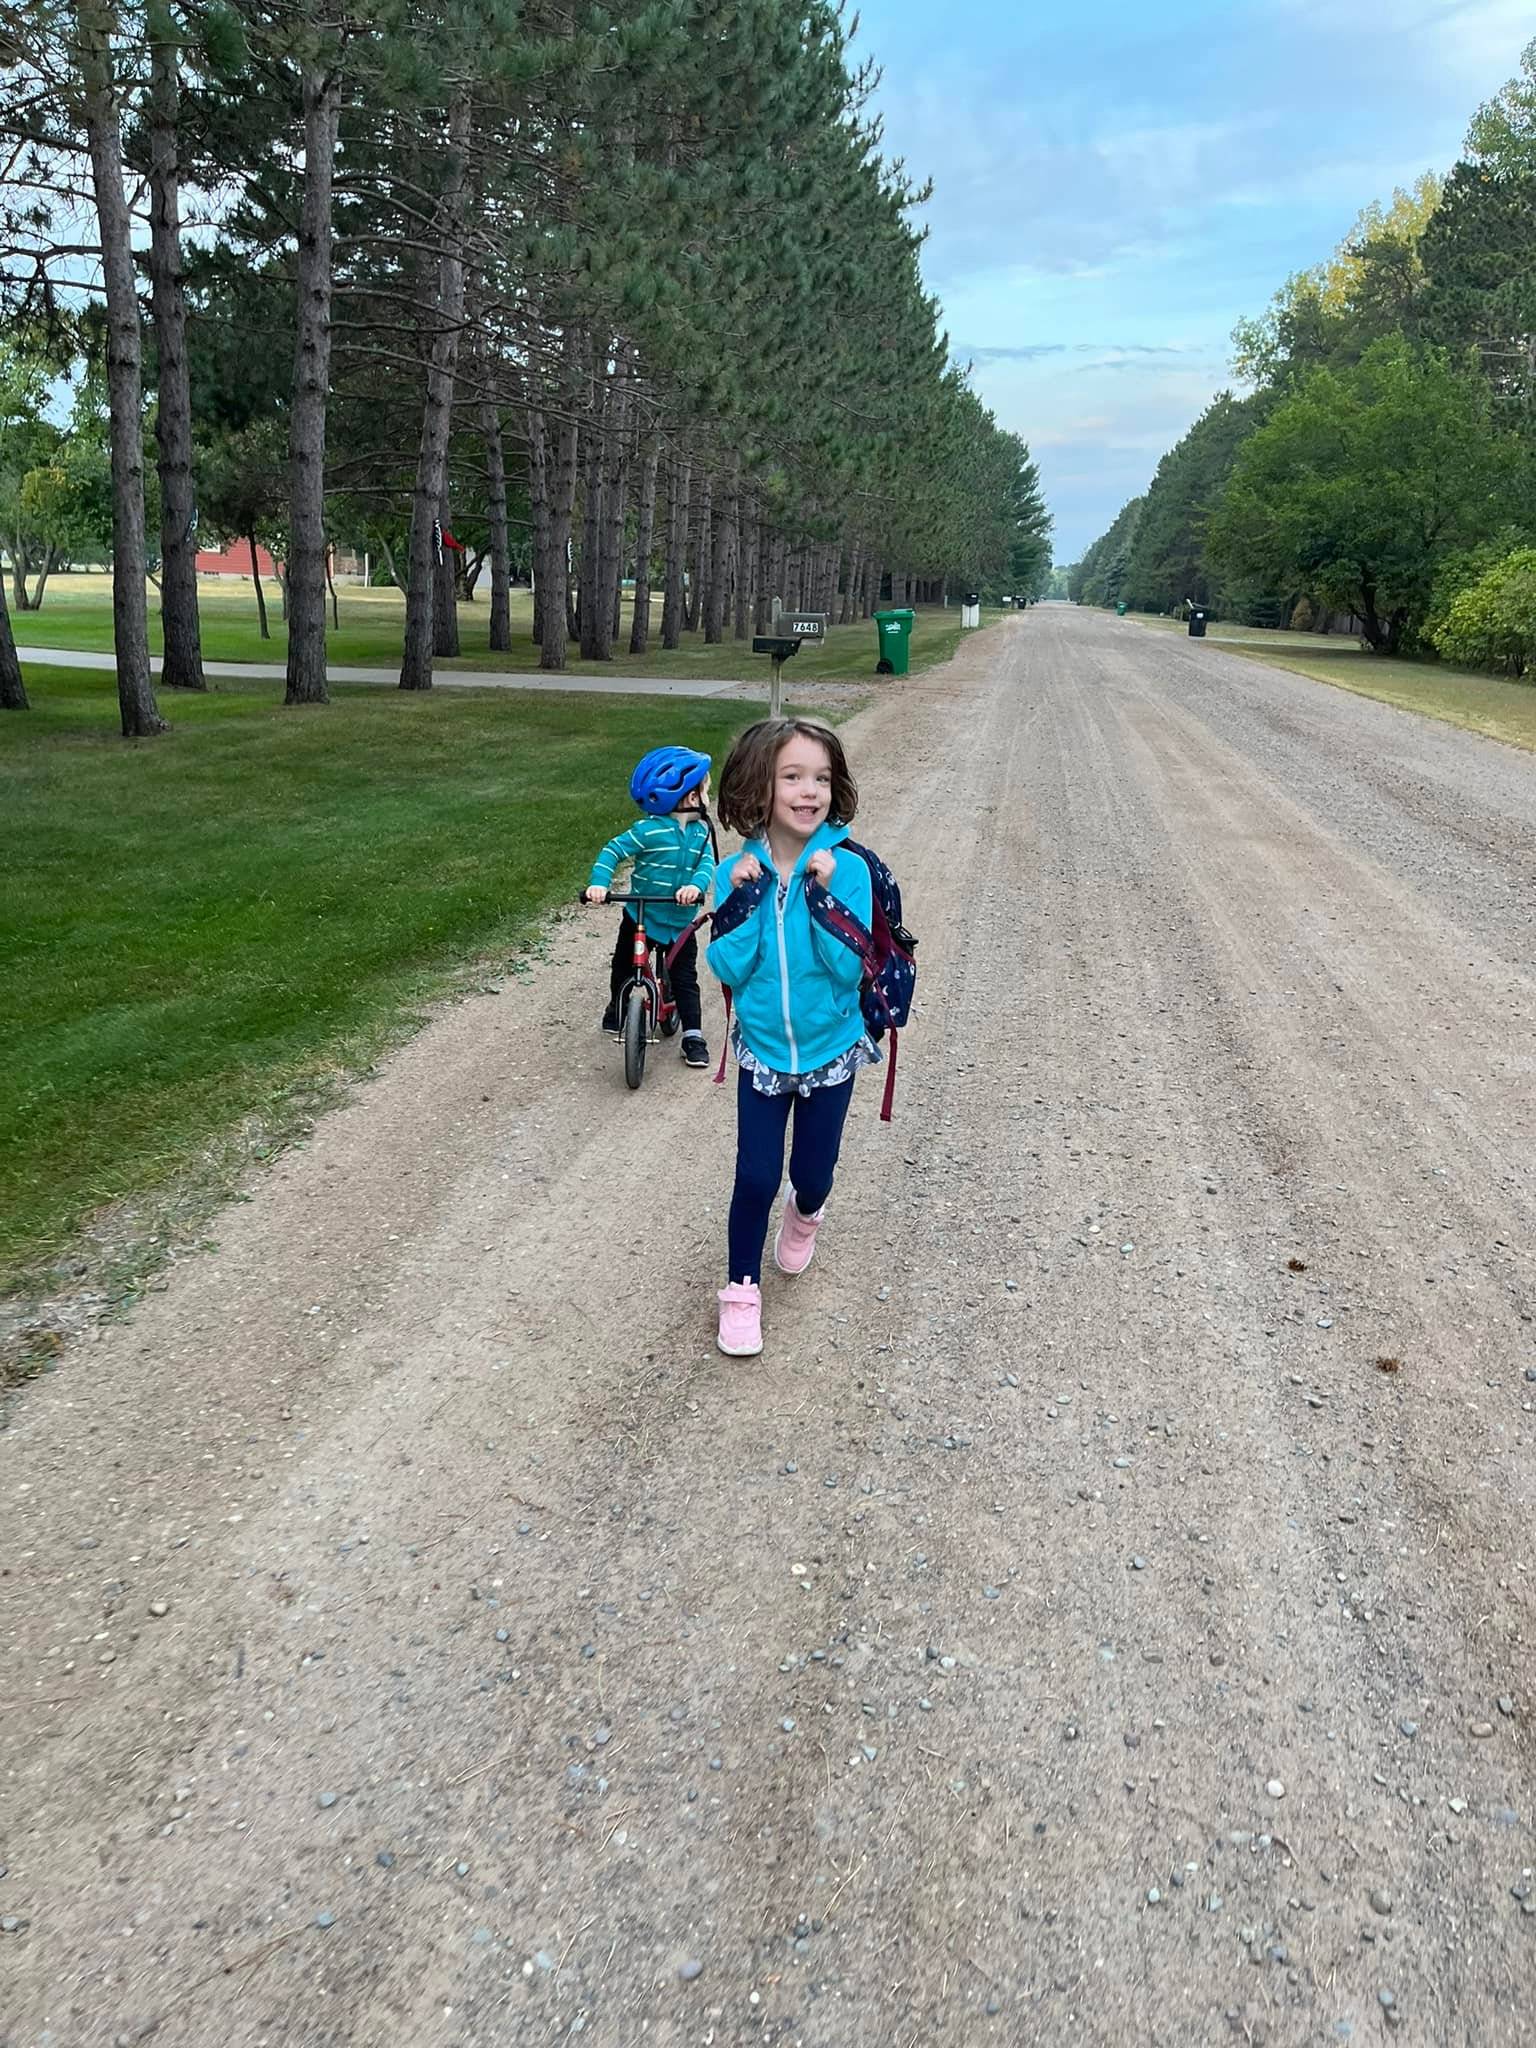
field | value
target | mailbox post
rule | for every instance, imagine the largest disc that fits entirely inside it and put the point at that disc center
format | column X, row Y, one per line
column 783, row 644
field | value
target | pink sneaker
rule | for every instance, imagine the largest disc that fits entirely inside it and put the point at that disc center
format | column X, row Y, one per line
column 795, row 1246
column 741, row 1320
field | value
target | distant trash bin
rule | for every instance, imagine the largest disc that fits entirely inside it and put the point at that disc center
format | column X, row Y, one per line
column 1197, row 625
column 895, row 630
column 1120, row 609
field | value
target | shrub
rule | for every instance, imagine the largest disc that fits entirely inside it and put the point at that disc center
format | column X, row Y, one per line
column 1492, row 622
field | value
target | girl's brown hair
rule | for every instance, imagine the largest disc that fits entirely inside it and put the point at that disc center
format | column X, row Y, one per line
column 746, row 780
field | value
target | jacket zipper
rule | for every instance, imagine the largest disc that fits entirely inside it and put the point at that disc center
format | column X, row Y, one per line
column 779, row 895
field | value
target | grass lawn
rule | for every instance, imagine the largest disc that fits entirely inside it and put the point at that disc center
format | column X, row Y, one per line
column 1487, row 704
column 192, row 926
column 77, row 614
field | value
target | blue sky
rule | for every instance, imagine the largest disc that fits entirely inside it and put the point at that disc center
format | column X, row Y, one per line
column 1116, row 186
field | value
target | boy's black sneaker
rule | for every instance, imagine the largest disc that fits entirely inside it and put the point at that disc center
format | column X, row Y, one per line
column 612, row 1023
column 695, row 1051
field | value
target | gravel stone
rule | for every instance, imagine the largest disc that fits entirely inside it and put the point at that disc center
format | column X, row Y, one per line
column 1224, row 844
column 689, row 1970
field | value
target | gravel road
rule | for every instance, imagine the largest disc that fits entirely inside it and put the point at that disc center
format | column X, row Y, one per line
column 1104, row 1613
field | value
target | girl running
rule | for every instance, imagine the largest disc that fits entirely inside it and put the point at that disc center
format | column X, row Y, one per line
column 798, row 1035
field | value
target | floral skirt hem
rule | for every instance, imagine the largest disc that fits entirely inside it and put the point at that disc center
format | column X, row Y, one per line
column 768, row 1081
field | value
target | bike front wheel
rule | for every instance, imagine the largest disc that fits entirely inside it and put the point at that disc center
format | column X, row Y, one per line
column 637, row 1034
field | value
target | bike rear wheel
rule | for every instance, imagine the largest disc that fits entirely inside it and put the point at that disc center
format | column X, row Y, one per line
column 637, row 1033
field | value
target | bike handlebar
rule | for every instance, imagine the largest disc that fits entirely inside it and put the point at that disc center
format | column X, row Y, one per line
column 611, row 898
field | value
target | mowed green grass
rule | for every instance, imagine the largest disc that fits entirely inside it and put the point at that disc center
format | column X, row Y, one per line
column 1491, row 705
column 193, row 924
column 77, row 615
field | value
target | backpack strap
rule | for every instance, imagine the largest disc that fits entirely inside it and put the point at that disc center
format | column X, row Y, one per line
column 678, row 944
column 890, row 1080
column 839, row 920
column 725, row 1043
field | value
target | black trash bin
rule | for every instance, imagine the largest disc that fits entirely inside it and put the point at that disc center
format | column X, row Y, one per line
column 1197, row 625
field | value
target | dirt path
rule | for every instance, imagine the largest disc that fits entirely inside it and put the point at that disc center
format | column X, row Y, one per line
column 527, row 1673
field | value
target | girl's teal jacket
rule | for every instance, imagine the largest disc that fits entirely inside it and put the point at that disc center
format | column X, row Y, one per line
column 795, row 984
column 668, row 854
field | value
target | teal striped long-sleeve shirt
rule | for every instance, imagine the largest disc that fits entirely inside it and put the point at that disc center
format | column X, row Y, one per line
column 668, row 854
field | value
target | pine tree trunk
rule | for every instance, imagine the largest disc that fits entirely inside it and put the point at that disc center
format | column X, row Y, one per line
column 304, row 584
column 561, row 474
column 719, row 567
column 745, row 565
column 591, row 613
column 610, row 591
column 762, row 581
column 703, row 541
column 98, row 25
column 645, row 520
column 261, row 595
column 430, row 593
column 496, row 495
column 538, row 508
column 673, row 604
column 445, row 597
column 182, row 667
column 13, row 691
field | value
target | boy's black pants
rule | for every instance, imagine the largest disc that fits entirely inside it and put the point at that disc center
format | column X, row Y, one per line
column 684, row 978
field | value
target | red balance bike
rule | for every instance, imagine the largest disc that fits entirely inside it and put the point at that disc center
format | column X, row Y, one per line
column 646, row 1009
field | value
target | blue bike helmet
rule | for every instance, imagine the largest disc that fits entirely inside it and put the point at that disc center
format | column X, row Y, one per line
column 664, row 778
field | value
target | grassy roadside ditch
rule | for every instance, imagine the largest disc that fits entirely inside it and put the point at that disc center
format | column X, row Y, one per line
column 201, row 937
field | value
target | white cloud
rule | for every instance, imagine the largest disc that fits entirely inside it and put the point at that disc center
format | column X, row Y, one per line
column 1453, row 43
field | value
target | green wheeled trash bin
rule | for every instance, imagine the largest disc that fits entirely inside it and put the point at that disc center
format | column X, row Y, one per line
column 1120, row 609
column 895, row 631
column 1197, row 625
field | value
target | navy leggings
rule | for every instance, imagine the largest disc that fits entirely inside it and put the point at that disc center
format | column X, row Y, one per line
column 761, row 1124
